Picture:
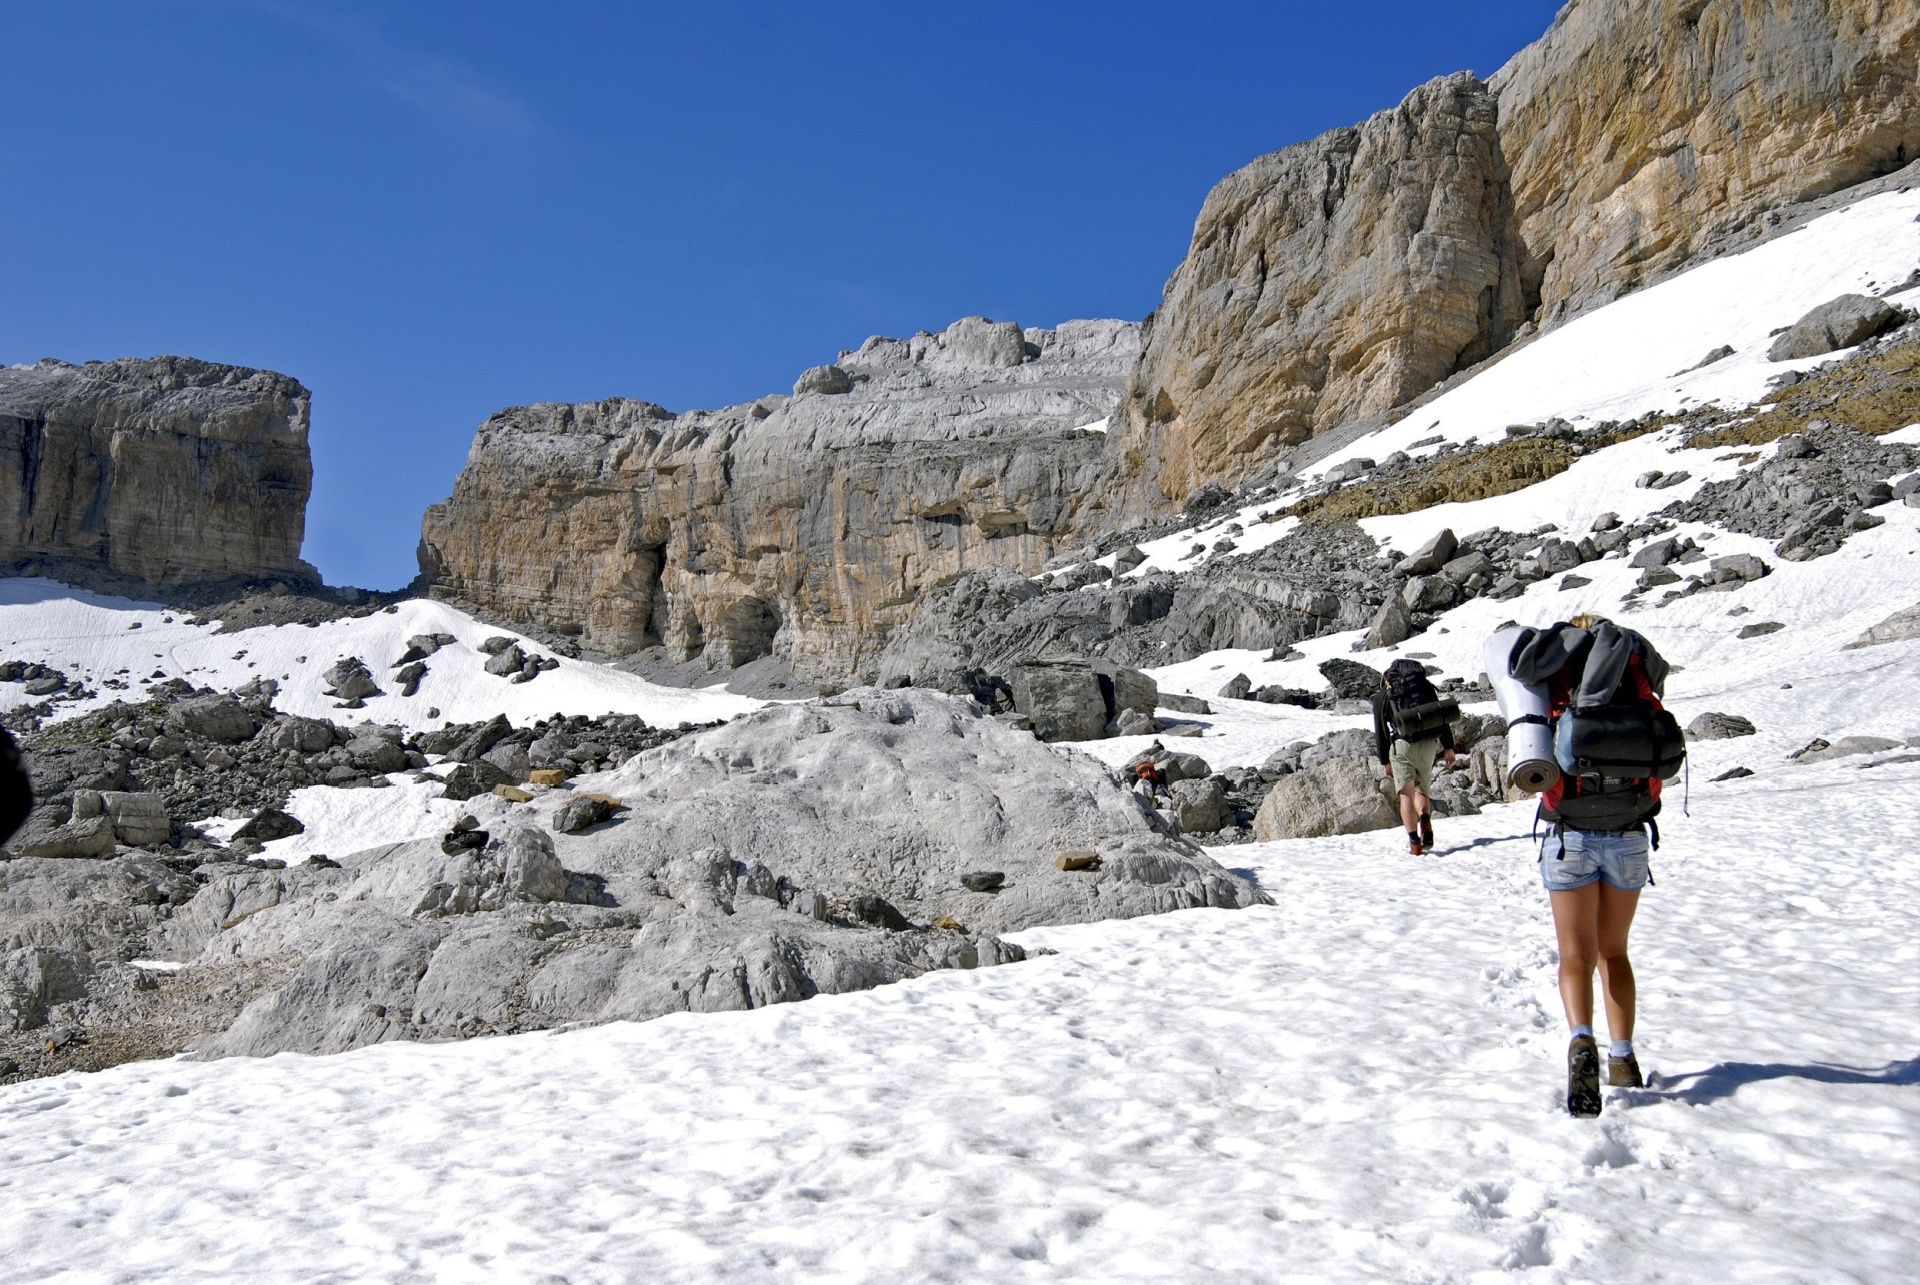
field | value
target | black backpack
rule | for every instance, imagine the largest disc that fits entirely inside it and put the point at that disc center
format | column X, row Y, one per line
column 1414, row 707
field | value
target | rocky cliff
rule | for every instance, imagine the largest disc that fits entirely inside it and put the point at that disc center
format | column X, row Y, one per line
column 1336, row 279
column 1327, row 281
column 1639, row 130
column 802, row 526
column 168, row 471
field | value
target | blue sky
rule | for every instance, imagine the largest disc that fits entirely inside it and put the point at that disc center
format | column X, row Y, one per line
column 427, row 212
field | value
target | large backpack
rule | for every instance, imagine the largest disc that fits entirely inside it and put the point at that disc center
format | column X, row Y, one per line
column 1416, row 709
column 1613, row 739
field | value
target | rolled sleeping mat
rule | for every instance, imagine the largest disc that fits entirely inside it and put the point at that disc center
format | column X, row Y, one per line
column 1530, row 762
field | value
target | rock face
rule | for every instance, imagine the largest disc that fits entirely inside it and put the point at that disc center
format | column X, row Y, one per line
column 1637, row 131
column 168, row 471
column 1328, row 281
column 1336, row 279
column 803, row 527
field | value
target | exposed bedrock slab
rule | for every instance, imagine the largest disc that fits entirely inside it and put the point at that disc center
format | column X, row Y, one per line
column 803, row 527
column 167, row 471
column 800, row 850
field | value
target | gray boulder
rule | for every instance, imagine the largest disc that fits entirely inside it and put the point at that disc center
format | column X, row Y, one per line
column 1200, row 806
column 1898, row 627
column 217, row 718
column 1432, row 555
column 1347, row 743
column 47, row 833
column 1467, row 566
column 350, row 679
column 1393, row 623
column 1236, row 688
column 1429, row 593
column 1077, row 700
column 581, row 812
column 306, row 735
column 1350, row 679
column 1181, row 703
column 1838, row 323
column 1719, row 727
column 137, row 818
column 1657, row 553
column 1846, row 747
column 1339, row 796
column 375, row 753
column 508, row 660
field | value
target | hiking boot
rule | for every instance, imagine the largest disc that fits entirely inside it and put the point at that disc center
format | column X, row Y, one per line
column 1426, row 829
column 1624, row 1073
column 1413, row 844
column 1583, row 1077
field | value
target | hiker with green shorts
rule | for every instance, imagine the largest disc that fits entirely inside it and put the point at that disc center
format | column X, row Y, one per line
column 1407, row 700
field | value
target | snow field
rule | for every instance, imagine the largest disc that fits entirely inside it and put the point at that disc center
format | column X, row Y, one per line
column 91, row 637
column 1361, row 1082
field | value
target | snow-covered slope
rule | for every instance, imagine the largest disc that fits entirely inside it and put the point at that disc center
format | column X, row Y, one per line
column 97, row 639
column 1622, row 361
column 1361, row 1082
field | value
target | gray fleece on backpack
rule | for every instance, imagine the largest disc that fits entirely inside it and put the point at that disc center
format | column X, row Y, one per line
column 1539, row 654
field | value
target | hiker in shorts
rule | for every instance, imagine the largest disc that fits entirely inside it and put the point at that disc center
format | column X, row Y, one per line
column 1601, row 826
column 1409, row 764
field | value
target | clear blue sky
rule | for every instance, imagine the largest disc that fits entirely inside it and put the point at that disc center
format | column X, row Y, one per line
column 426, row 212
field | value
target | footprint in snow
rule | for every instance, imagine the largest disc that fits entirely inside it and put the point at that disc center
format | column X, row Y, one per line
column 1531, row 1248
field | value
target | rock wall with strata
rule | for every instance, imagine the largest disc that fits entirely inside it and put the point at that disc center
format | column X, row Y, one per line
column 1638, row 131
column 1334, row 280
column 804, row 527
column 1327, row 281
column 166, row 472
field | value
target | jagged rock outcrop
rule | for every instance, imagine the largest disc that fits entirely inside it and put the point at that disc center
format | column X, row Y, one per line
column 1637, row 131
column 1326, row 281
column 804, row 527
column 1337, row 279
column 167, row 471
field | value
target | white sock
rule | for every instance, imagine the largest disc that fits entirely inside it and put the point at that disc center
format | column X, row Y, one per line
column 1620, row 1049
column 1578, row 1031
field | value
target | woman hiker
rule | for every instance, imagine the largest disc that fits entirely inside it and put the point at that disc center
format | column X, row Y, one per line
column 1594, row 859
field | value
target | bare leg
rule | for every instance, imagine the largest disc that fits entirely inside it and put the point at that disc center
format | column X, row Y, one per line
column 1576, row 926
column 1411, row 801
column 1614, row 918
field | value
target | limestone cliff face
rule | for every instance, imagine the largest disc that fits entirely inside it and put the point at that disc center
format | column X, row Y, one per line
column 1637, row 130
column 803, row 527
column 1326, row 281
column 167, row 471
column 1337, row 279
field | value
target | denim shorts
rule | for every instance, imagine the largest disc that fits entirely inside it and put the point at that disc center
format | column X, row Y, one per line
column 1572, row 859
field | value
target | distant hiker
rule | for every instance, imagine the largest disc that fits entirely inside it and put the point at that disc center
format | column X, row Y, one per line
column 1614, row 741
column 1411, row 727
column 1149, row 782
